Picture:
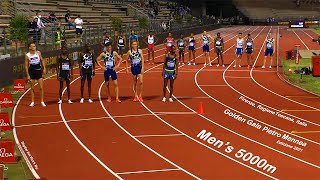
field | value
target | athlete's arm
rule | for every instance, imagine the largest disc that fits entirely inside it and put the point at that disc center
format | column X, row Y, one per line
column 124, row 41
column 43, row 63
column 98, row 59
column 165, row 41
column 128, row 54
column 145, row 40
column 142, row 61
column 176, row 66
column 119, row 57
column 164, row 65
column 156, row 39
column 26, row 66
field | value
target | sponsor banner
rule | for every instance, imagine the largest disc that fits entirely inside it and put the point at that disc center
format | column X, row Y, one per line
column 5, row 122
column 19, row 85
column 6, row 100
column 7, row 154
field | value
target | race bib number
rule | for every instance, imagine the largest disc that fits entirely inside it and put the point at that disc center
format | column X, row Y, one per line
column 249, row 43
column 181, row 44
column 170, row 64
column 205, row 42
column 191, row 43
column 65, row 67
column 269, row 45
column 88, row 62
column 169, row 44
column 34, row 61
column 218, row 43
column 121, row 41
column 150, row 41
column 109, row 64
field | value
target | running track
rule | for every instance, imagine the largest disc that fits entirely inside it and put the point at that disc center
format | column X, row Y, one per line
column 156, row 140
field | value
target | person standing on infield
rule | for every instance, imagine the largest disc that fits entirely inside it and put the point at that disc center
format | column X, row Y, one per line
column 206, row 47
column 239, row 50
column 181, row 44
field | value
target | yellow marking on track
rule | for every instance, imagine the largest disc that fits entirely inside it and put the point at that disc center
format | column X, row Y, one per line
column 304, row 132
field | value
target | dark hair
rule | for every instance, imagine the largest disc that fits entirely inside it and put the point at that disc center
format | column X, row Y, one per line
column 29, row 44
column 218, row 33
column 87, row 48
column 249, row 34
column 173, row 46
column 240, row 33
column 64, row 51
column 107, row 44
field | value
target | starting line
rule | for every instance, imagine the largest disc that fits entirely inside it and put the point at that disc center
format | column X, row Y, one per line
column 104, row 117
column 148, row 171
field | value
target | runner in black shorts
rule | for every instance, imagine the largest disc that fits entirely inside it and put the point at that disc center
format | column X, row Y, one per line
column 249, row 51
column 35, row 67
column 181, row 44
column 219, row 46
column 87, row 67
column 65, row 73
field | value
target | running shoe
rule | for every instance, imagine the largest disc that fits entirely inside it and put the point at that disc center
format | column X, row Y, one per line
column 263, row 67
column 194, row 64
column 223, row 65
column 170, row 99
column 69, row 101
column 60, row 101
column 135, row 99
column 270, row 67
column 90, row 101
column 31, row 104
column 164, row 99
column 234, row 66
column 43, row 104
column 210, row 64
column 82, row 100
column 109, row 99
column 118, row 101
column 218, row 65
column 140, row 99
column 189, row 64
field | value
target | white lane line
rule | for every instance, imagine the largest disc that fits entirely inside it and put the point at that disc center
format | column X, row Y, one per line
column 212, row 122
column 213, row 85
column 311, row 107
column 148, row 171
column 158, row 135
column 300, row 39
column 237, row 77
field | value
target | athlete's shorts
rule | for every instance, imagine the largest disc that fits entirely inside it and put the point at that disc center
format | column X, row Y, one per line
column 181, row 51
column 218, row 50
column 249, row 51
column 64, row 76
column 135, row 70
column 108, row 73
column 86, row 74
column 78, row 31
column 239, row 51
column 35, row 74
column 206, row 48
column 170, row 75
column 268, row 52
column 120, row 49
column 168, row 48
column 151, row 46
column 192, row 48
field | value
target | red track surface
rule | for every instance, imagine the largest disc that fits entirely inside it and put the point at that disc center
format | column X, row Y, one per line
column 156, row 140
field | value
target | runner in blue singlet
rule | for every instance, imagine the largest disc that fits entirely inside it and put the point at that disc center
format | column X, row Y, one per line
column 110, row 67
column 192, row 49
column 269, row 51
column 135, row 56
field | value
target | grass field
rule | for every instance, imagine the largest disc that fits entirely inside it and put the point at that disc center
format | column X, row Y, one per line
column 307, row 82
column 20, row 170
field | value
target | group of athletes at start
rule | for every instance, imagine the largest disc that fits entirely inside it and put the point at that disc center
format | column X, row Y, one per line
column 35, row 66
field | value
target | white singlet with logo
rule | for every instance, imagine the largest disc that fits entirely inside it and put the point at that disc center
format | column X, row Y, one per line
column 239, row 43
column 150, row 39
column 34, row 59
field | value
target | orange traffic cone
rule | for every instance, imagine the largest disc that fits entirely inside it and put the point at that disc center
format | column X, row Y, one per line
column 200, row 109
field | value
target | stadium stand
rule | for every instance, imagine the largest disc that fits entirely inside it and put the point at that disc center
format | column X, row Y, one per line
column 260, row 10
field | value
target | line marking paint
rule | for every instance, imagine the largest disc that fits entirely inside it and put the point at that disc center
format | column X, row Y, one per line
column 304, row 132
column 148, row 171
column 299, row 110
column 158, row 135
column 307, row 97
column 238, row 77
column 213, row 85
